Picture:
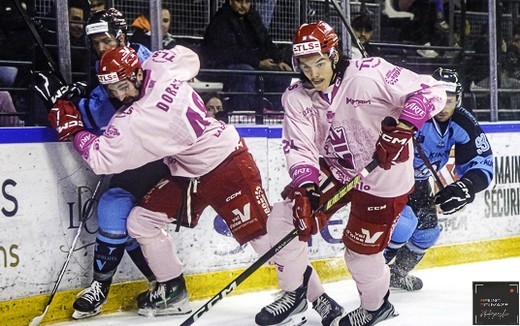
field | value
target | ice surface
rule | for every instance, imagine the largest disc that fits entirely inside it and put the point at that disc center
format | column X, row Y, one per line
column 445, row 300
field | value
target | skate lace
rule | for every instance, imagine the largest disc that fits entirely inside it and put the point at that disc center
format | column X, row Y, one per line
column 92, row 293
column 159, row 293
column 323, row 307
column 359, row 317
column 282, row 304
column 408, row 282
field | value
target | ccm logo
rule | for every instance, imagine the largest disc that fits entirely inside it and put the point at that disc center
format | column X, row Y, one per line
column 394, row 140
column 233, row 196
column 376, row 208
column 70, row 124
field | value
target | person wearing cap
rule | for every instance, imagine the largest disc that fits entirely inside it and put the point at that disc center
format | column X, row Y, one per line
column 106, row 30
column 418, row 227
column 363, row 29
column 341, row 116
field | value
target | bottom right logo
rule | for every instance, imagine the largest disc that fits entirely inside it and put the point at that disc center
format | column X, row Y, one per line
column 495, row 303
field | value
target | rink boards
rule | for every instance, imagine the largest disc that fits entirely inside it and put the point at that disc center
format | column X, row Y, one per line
column 44, row 184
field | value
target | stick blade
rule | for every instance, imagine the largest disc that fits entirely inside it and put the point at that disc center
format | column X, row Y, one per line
column 38, row 319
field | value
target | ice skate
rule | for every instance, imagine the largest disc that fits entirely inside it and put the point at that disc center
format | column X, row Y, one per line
column 168, row 298
column 91, row 300
column 407, row 282
column 328, row 309
column 363, row 317
column 142, row 296
column 287, row 309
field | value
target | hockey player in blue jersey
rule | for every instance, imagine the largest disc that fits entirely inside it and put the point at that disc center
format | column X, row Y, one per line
column 106, row 30
column 417, row 228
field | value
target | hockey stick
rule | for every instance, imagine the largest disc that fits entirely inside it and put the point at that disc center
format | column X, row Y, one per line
column 349, row 28
column 427, row 162
column 86, row 211
column 38, row 39
column 276, row 248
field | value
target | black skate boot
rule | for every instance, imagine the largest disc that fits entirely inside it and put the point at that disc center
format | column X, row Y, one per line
column 91, row 300
column 406, row 282
column 288, row 304
column 405, row 261
column 328, row 309
column 363, row 317
column 168, row 298
column 141, row 297
column 288, row 308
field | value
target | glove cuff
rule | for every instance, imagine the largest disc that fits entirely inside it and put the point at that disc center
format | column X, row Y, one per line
column 303, row 174
column 479, row 179
column 417, row 110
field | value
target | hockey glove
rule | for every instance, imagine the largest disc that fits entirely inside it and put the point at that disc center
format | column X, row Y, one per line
column 392, row 145
column 305, row 217
column 66, row 119
column 455, row 196
column 50, row 89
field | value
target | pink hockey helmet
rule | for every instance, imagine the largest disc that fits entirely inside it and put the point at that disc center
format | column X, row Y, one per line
column 118, row 64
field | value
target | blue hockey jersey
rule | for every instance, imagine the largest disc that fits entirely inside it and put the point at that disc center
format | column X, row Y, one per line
column 472, row 148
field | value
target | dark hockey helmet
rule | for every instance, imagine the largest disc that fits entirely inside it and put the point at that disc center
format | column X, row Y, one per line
column 450, row 80
column 109, row 21
column 314, row 38
column 118, row 64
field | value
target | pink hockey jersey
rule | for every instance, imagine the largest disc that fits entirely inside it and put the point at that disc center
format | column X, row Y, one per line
column 343, row 125
column 169, row 121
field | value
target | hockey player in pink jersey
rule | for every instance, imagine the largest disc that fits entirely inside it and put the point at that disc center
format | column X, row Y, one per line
column 339, row 117
column 209, row 163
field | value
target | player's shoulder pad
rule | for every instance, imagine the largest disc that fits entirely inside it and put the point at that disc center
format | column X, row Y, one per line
column 295, row 87
column 464, row 118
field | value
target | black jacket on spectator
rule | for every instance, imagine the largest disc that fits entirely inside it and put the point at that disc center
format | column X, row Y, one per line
column 230, row 40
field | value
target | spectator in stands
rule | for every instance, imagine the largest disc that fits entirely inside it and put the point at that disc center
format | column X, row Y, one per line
column 142, row 29
column 479, row 67
column 6, row 105
column 18, row 44
column 512, row 64
column 237, row 39
column 97, row 5
column 440, row 21
column 363, row 29
column 428, row 27
column 215, row 106
column 511, row 77
column 266, row 9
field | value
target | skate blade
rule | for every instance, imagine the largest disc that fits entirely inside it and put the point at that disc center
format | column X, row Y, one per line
column 82, row 315
column 294, row 320
column 172, row 311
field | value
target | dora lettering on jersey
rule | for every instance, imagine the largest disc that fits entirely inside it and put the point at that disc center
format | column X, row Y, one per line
column 169, row 93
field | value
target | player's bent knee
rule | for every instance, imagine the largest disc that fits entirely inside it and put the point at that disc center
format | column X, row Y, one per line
column 113, row 209
column 140, row 224
column 425, row 238
column 280, row 218
column 405, row 226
